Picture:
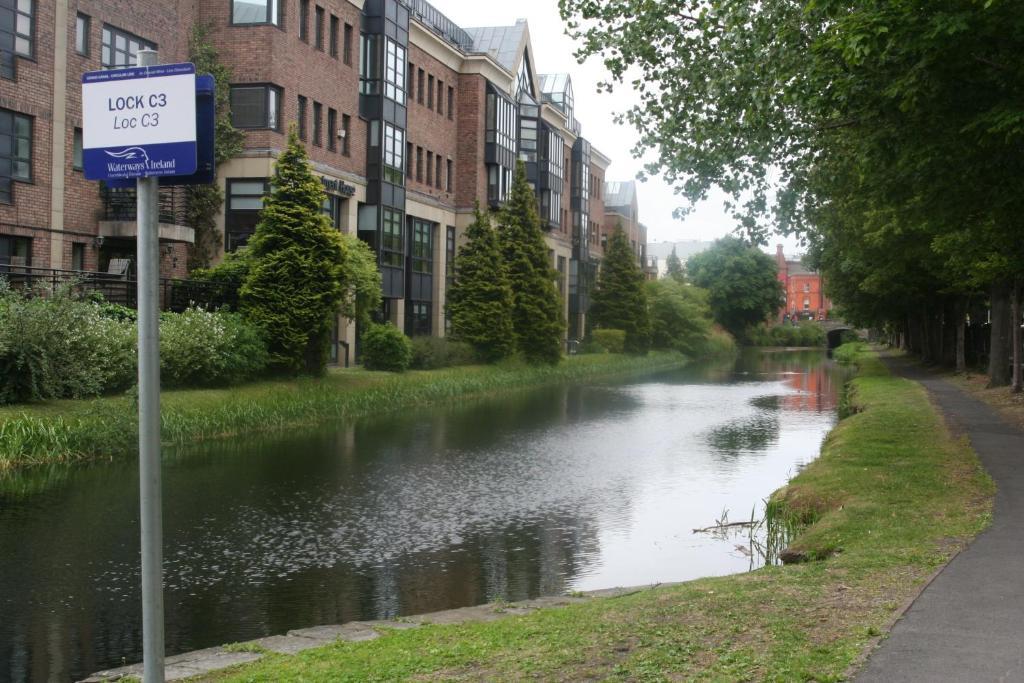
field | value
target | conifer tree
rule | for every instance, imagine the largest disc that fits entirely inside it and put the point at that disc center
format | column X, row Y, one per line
column 537, row 308
column 619, row 301
column 480, row 300
column 295, row 286
column 675, row 268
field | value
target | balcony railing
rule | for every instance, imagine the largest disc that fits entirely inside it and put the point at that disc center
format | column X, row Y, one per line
column 175, row 294
column 120, row 205
column 445, row 27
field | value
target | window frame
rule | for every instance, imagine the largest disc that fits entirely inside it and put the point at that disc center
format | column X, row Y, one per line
column 15, row 157
column 319, row 21
column 332, row 129
column 304, row 21
column 395, row 78
column 274, row 8
column 347, row 44
column 113, row 32
column 301, row 109
column 332, row 40
column 318, row 124
column 232, row 213
column 393, row 155
column 346, row 127
column 392, row 238
column 77, row 146
column 269, row 89
column 29, row 37
column 83, row 34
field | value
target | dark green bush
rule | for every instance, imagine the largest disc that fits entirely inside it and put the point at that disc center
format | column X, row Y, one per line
column 431, row 353
column 386, row 348
column 209, row 348
column 612, row 340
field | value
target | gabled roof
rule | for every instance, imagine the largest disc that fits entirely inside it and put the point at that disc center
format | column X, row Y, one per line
column 619, row 193
column 552, row 83
column 504, row 44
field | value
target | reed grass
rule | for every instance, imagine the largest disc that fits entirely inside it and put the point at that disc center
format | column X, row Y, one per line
column 72, row 431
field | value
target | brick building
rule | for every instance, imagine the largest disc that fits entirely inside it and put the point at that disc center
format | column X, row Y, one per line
column 408, row 118
column 805, row 293
column 622, row 208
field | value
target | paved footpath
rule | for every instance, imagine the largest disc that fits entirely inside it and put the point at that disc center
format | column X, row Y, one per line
column 968, row 625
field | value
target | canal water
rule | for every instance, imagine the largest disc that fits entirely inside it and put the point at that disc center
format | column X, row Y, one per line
column 541, row 492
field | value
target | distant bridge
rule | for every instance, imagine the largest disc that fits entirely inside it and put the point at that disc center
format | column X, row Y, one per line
column 834, row 331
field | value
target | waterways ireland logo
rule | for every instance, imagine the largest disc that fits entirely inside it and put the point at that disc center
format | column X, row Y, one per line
column 136, row 160
column 131, row 158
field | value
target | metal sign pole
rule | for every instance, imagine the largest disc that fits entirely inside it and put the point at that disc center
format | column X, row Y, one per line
column 150, row 496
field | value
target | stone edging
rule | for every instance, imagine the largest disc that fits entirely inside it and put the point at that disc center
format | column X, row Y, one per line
column 200, row 662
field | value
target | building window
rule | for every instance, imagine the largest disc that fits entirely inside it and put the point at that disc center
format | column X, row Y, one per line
column 449, row 273
column 346, row 133
column 244, row 203
column 77, row 256
column 422, row 241
column 318, row 29
column 449, row 180
column 419, row 318
column 333, row 209
column 437, row 171
column 419, row 85
column 332, row 129
column 302, row 118
column 82, row 25
column 333, row 41
column 440, row 90
column 499, row 182
column 394, row 72
column 369, row 66
column 408, row 155
column 15, row 251
column 451, row 101
column 304, row 20
column 561, row 275
column 394, row 148
column 255, row 12
column 501, row 121
column 120, row 48
column 76, row 150
column 430, row 168
column 391, row 253
column 430, row 92
column 15, row 146
column 318, row 124
column 347, row 45
column 255, row 106
column 19, row 21
column 419, row 164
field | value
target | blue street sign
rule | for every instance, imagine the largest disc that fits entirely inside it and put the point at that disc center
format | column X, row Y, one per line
column 139, row 122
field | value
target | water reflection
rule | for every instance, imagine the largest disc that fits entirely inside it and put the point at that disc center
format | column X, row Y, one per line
column 541, row 492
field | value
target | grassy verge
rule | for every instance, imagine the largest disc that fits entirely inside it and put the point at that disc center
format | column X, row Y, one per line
column 892, row 496
column 67, row 431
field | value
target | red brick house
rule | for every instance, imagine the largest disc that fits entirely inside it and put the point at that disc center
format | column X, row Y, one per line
column 805, row 293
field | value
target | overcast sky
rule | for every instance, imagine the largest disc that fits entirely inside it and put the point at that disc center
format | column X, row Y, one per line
column 553, row 52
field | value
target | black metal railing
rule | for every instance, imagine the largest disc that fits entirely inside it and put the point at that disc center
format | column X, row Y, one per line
column 175, row 294
column 442, row 25
column 119, row 204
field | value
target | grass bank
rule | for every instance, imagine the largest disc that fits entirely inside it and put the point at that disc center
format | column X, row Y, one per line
column 68, row 431
column 892, row 496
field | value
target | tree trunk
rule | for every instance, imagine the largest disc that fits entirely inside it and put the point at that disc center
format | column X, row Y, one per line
column 960, row 312
column 999, row 348
column 1015, row 336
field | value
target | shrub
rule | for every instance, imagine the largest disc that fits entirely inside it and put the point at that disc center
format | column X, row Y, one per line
column 804, row 334
column 207, row 348
column 612, row 340
column 61, row 347
column 386, row 348
column 431, row 353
